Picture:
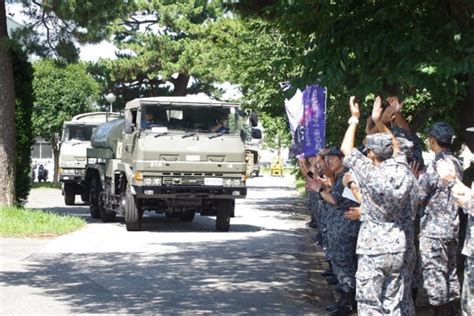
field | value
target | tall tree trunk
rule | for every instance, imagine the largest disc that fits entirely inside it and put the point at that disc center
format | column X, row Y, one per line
column 56, row 149
column 180, row 84
column 7, row 116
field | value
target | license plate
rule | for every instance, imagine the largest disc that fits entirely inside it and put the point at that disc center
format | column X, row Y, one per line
column 212, row 181
column 193, row 158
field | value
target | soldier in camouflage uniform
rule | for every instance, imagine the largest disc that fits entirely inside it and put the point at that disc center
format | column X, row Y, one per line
column 342, row 235
column 389, row 194
column 439, row 225
column 464, row 198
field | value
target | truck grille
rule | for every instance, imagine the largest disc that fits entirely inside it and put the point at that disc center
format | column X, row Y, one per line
column 192, row 174
column 183, row 181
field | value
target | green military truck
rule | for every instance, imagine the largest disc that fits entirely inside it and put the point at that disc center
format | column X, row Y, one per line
column 74, row 142
column 173, row 155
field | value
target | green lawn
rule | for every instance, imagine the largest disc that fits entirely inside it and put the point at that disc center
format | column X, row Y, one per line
column 21, row 222
column 45, row 185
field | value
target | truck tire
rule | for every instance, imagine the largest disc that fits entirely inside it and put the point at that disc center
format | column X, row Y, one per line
column 187, row 216
column 107, row 216
column 94, row 198
column 133, row 216
column 69, row 194
column 224, row 212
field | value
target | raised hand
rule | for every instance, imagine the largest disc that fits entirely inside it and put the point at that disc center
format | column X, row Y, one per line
column 354, row 107
column 313, row 185
column 395, row 104
column 377, row 109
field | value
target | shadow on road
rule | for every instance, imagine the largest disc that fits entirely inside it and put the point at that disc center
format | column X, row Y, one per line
column 218, row 277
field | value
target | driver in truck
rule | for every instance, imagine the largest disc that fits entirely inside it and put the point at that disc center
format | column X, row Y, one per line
column 149, row 119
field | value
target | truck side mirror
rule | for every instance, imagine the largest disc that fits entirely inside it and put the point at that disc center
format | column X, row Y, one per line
column 253, row 119
column 128, row 126
column 256, row 133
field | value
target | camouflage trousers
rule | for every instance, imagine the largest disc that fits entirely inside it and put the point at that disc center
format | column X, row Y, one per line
column 323, row 228
column 467, row 300
column 381, row 284
column 342, row 242
column 313, row 205
column 438, row 264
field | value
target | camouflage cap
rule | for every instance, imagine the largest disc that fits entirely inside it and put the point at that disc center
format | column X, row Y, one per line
column 442, row 132
column 334, row 151
column 380, row 144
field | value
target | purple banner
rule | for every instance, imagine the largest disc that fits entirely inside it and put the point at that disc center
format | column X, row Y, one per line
column 307, row 114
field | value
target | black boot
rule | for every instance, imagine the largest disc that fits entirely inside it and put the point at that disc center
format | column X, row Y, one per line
column 454, row 308
column 414, row 294
column 441, row 310
column 353, row 301
column 344, row 305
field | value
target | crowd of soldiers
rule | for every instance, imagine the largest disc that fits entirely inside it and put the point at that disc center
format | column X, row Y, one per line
column 388, row 224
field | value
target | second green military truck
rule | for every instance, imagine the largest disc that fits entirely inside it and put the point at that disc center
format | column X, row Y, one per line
column 75, row 140
column 173, row 155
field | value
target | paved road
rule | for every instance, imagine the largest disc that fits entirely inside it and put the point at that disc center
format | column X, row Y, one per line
column 266, row 264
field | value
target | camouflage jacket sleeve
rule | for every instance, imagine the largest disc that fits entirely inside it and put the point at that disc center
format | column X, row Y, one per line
column 360, row 165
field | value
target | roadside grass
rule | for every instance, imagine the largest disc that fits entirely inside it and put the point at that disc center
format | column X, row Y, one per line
column 21, row 222
column 45, row 185
column 300, row 186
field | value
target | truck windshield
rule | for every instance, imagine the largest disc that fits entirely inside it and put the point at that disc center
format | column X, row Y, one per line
column 191, row 118
column 78, row 132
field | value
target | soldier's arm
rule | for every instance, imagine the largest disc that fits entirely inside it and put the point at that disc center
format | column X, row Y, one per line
column 377, row 118
column 397, row 111
column 349, row 137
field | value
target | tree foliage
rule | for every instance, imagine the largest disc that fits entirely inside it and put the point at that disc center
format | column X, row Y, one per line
column 422, row 50
column 61, row 91
column 55, row 27
column 23, row 77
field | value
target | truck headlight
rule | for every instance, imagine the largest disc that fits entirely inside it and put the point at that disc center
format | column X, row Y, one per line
column 152, row 181
column 69, row 171
column 91, row 160
column 232, row 182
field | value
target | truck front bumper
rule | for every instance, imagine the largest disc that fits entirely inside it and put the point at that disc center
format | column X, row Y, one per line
column 192, row 192
column 67, row 178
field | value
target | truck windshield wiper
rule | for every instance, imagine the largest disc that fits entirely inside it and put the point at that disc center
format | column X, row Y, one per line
column 161, row 134
column 188, row 134
column 217, row 135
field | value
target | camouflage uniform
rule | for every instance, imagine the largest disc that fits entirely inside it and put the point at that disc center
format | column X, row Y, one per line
column 313, row 206
column 467, row 300
column 413, row 151
column 439, row 230
column 342, row 236
column 389, row 195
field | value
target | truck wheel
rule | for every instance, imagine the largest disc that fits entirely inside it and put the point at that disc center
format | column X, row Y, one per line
column 69, row 195
column 107, row 216
column 133, row 216
column 187, row 216
column 94, row 198
column 224, row 211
